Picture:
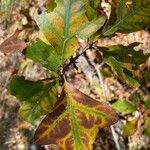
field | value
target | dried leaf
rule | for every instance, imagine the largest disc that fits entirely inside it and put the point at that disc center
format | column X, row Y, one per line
column 13, row 44
column 65, row 23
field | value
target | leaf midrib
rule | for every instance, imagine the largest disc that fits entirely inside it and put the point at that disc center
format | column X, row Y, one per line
column 66, row 17
column 74, row 123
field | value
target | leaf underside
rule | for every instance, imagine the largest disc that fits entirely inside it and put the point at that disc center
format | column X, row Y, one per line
column 128, row 16
column 74, row 125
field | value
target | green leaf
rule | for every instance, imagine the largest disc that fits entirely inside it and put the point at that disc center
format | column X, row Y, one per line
column 147, row 103
column 45, row 54
column 125, row 61
column 124, row 107
column 18, row 87
column 74, row 126
column 131, row 15
column 123, row 73
column 147, row 125
column 38, row 97
column 65, row 23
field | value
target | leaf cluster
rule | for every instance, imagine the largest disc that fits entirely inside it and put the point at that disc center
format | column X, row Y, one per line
column 73, row 119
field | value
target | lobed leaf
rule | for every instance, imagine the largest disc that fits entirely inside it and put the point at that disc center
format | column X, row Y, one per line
column 124, row 107
column 38, row 98
column 74, row 124
column 65, row 23
column 125, row 61
column 44, row 54
column 126, row 54
column 131, row 15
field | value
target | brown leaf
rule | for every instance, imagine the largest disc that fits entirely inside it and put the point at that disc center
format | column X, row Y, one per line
column 13, row 44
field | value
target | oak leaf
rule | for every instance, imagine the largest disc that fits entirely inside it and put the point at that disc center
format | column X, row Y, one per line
column 75, row 122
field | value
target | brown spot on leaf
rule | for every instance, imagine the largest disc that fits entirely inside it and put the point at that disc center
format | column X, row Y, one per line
column 48, row 120
column 94, row 104
column 62, row 129
column 69, row 143
column 87, row 121
column 58, row 128
column 86, row 140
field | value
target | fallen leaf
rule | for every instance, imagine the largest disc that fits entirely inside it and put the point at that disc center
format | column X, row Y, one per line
column 13, row 44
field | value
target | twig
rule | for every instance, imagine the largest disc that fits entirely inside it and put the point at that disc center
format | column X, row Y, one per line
column 115, row 137
column 73, row 60
column 104, row 95
column 46, row 79
column 97, row 68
